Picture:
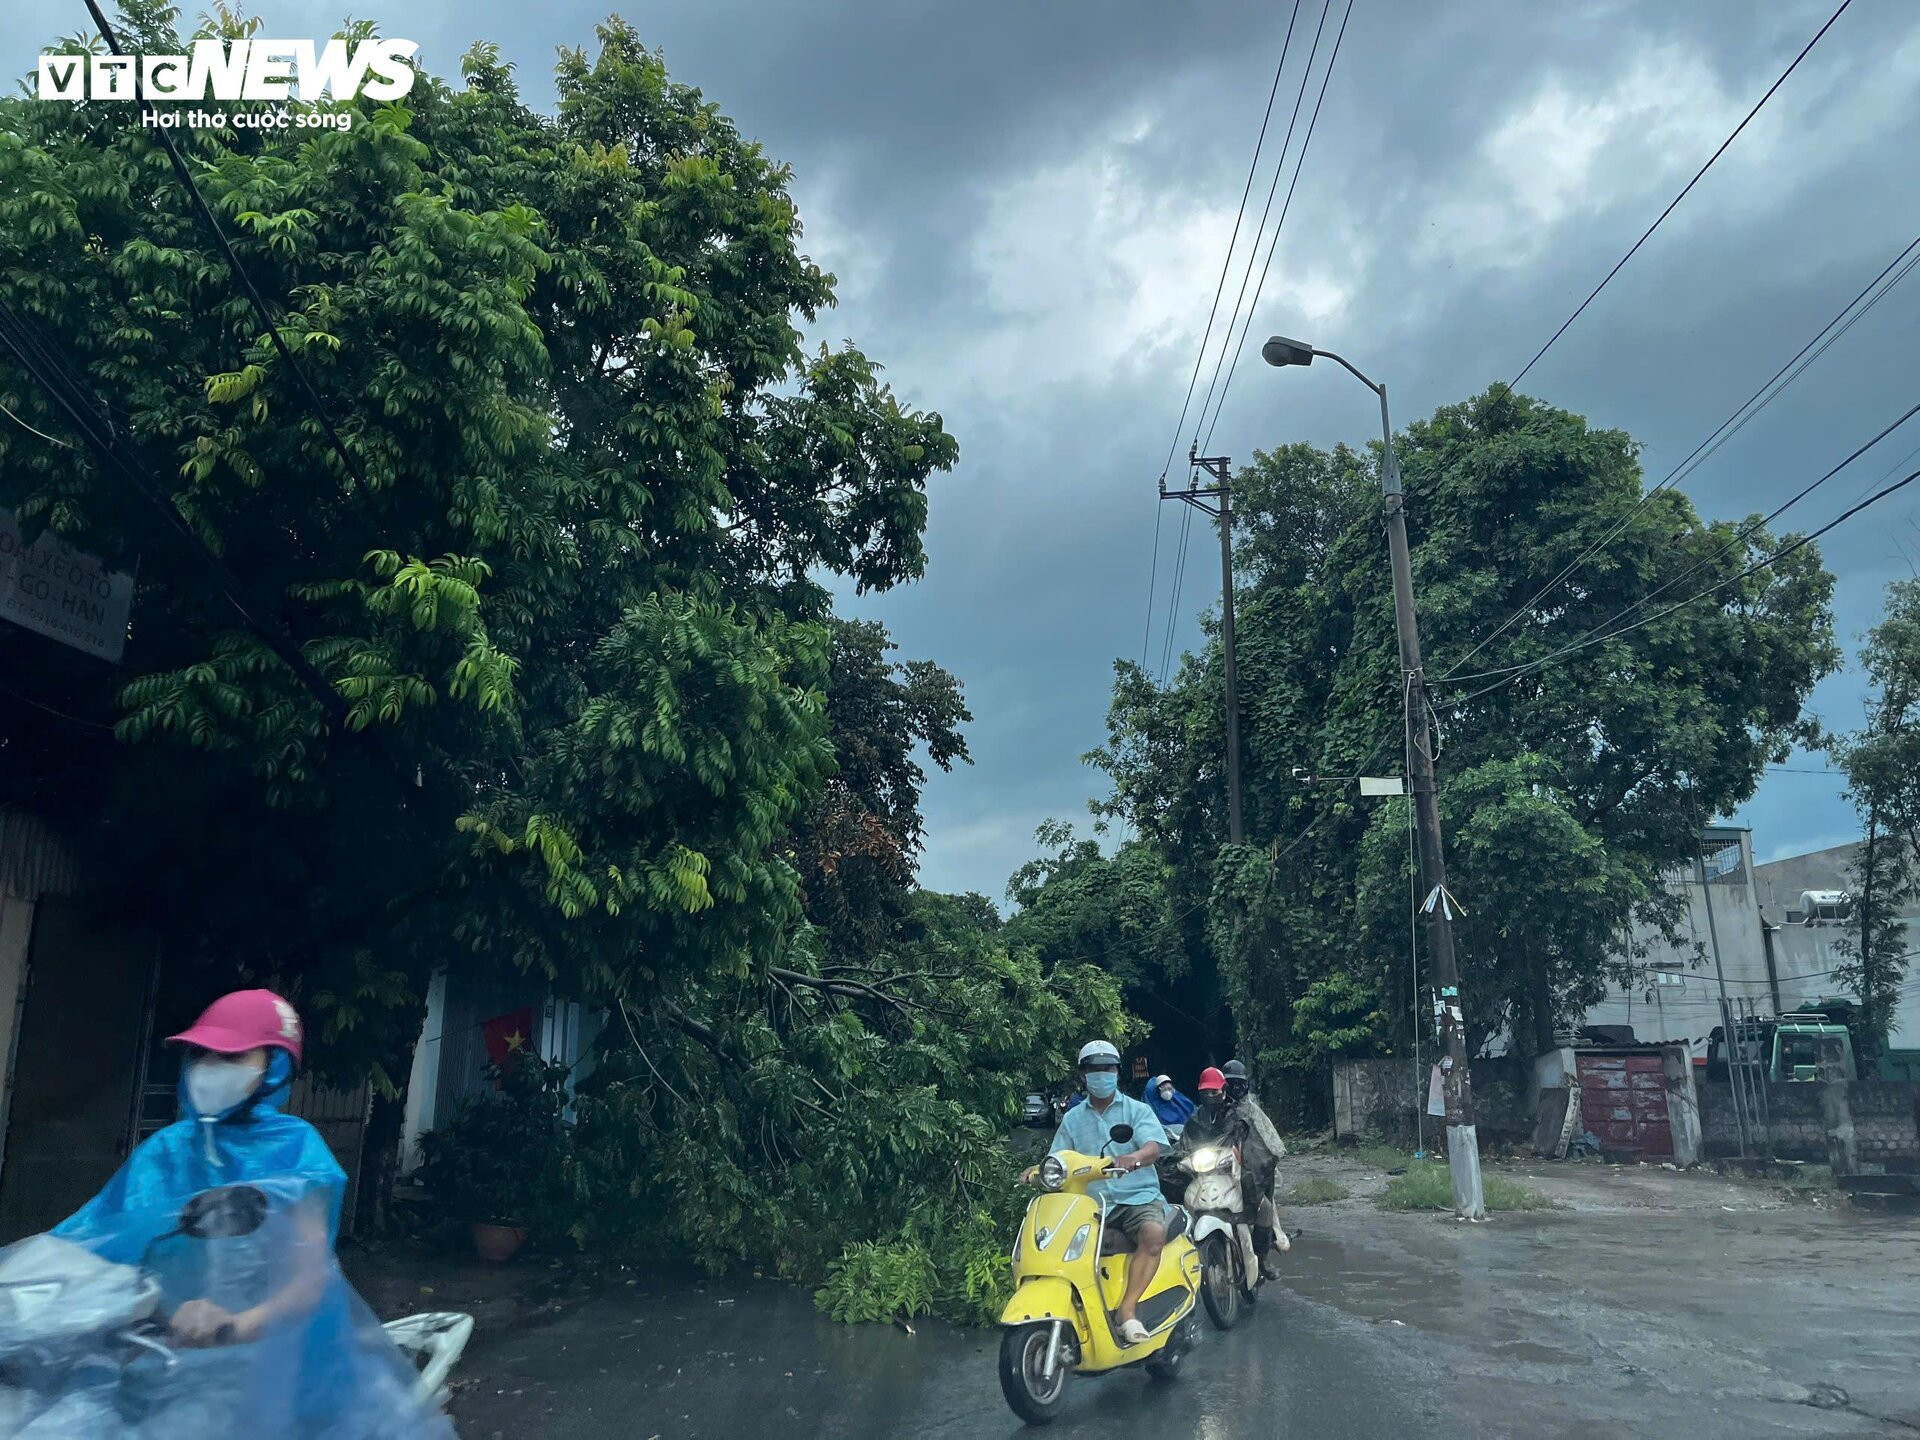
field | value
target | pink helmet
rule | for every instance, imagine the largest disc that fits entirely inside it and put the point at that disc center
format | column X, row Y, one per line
column 245, row 1020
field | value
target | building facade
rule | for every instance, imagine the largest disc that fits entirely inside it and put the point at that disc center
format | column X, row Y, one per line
column 1767, row 937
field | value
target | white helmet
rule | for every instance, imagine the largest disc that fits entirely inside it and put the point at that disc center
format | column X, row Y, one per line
column 1098, row 1050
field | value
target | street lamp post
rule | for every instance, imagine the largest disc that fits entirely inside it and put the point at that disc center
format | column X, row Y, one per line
column 1463, row 1142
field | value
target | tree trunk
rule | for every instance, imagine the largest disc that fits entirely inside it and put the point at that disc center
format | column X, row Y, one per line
column 1540, row 997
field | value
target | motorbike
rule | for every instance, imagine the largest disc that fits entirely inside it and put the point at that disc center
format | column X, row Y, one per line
column 1230, row 1276
column 1069, row 1274
column 85, row 1350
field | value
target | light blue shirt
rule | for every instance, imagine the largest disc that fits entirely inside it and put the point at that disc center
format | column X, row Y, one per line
column 1084, row 1129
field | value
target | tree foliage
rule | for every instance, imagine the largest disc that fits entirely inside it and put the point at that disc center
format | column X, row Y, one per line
column 859, row 844
column 1581, row 749
column 567, row 587
column 584, row 713
column 1882, row 764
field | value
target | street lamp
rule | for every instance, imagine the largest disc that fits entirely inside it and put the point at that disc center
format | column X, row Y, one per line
column 1463, row 1142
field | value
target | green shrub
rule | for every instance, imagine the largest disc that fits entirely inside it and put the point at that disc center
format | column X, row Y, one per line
column 874, row 1282
column 1316, row 1190
column 504, row 1155
column 1428, row 1185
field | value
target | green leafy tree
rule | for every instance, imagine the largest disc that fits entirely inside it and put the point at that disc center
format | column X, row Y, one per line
column 859, row 845
column 1882, row 764
column 1578, row 753
column 1077, row 906
column 564, row 600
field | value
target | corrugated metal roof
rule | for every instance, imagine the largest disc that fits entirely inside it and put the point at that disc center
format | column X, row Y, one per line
column 33, row 860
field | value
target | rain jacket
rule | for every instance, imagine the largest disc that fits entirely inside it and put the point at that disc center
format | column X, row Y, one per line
column 1176, row 1111
column 328, row 1371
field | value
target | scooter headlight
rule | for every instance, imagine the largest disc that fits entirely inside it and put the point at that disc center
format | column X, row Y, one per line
column 1053, row 1173
column 1208, row 1159
column 1077, row 1246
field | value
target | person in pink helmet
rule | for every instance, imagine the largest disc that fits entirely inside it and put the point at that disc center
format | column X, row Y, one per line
column 240, row 1057
column 299, row 1351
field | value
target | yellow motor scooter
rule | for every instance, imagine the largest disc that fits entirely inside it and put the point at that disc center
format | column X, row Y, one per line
column 1069, row 1274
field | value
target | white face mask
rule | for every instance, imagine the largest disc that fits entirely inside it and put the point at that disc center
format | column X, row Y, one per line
column 1166, row 1092
column 216, row 1085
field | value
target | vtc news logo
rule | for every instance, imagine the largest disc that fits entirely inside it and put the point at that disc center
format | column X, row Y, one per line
column 235, row 71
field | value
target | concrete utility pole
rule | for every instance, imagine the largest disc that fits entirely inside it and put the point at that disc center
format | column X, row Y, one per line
column 1727, row 1026
column 1463, row 1140
column 1221, row 469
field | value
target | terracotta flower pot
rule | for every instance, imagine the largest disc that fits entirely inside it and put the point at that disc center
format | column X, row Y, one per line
column 497, row 1242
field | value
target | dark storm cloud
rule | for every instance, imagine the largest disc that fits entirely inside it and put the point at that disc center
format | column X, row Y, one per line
column 1027, row 204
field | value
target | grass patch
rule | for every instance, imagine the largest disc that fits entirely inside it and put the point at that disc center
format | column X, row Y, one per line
column 1316, row 1190
column 1809, row 1181
column 1429, row 1186
column 1382, row 1156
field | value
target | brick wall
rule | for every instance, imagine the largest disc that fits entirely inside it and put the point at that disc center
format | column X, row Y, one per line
column 1384, row 1098
column 1886, row 1122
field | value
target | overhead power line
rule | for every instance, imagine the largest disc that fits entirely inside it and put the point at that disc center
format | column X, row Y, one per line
column 1226, row 261
column 1515, row 671
column 1871, row 294
column 1741, row 536
column 1199, row 359
column 1241, row 344
column 1674, row 203
column 240, row 274
column 1253, row 250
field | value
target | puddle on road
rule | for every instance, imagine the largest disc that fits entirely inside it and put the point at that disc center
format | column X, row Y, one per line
column 1537, row 1354
column 1374, row 1287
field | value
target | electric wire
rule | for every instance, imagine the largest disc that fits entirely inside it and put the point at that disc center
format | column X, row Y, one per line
column 1768, row 392
column 1306, row 142
column 1745, row 533
column 1253, row 251
column 1199, row 359
column 1515, row 672
column 1674, row 203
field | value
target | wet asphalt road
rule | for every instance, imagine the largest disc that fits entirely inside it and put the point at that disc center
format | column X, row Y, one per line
column 1700, row 1321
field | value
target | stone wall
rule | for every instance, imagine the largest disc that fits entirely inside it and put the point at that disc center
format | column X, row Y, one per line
column 1885, row 1114
column 1384, row 1099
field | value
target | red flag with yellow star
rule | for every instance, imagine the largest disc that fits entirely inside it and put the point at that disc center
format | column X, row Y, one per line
column 508, row 1036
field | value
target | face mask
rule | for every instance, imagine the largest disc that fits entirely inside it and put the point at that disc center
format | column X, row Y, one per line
column 215, row 1086
column 1101, row 1084
column 1166, row 1092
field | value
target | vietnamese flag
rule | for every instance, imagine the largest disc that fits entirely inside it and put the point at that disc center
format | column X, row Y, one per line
column 508, row 1036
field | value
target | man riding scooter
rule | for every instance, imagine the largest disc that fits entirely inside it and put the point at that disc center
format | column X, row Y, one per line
column 1261, row 1147
column 1133, row 1197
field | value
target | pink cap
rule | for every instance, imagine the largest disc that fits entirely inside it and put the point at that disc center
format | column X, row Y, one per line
column 245, row 1020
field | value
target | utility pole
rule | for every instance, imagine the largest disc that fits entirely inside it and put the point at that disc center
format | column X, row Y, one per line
column 1198, row 496
column 1728, row 1029
column 1463, row 1140
column 1456, row 1083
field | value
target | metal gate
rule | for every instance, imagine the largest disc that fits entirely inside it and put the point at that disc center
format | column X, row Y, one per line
column 1623, row 1100
column 83, row 1008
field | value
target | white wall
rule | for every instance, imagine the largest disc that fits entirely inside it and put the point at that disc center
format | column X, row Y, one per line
column 423, row 1080
column 1689, row 1009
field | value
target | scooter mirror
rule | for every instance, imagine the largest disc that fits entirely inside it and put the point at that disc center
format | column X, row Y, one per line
column 1120, row 1134
column 223, row 1214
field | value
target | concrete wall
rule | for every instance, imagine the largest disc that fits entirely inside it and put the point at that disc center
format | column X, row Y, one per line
column 1688, row 1007
column 1385, row 1099
column 1885, row 1114
column 1805, row 956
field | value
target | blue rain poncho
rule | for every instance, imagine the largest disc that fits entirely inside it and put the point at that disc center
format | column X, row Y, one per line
column 1176, row 1111
column 85, row 1352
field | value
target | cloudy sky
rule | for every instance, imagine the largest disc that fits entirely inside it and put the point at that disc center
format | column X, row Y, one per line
column 1028, row 205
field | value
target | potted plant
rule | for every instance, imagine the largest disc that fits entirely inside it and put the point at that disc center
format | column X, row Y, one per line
column 499, row 1163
